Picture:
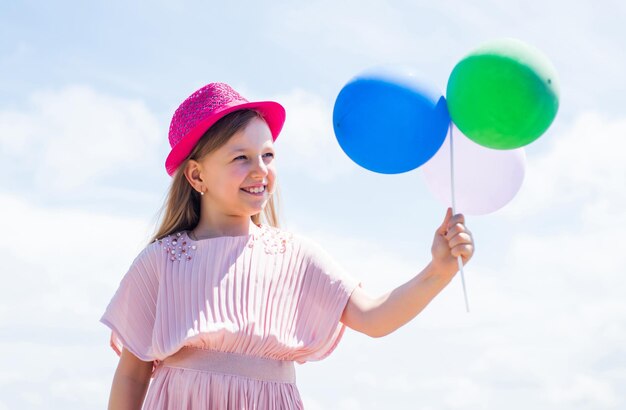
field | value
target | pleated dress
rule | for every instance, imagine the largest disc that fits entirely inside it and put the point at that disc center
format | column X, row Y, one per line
column 224, row 319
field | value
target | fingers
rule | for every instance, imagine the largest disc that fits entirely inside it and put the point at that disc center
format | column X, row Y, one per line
column 459, row 238
column 462, row 238
column 444, row 225
column 455, row 224
column 462, row 244
column 464, row 251
column 455, row 230
column 456, row 219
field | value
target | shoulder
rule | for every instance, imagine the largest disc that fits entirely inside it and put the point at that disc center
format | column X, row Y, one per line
column 308, row 248
column 274, row 240
column 320, row 264
column 174, row 246
column 155, row 252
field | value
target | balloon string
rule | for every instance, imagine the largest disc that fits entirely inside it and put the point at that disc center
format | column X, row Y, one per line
column 459, row 260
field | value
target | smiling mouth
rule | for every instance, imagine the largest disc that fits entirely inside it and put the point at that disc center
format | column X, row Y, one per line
column 260, row 191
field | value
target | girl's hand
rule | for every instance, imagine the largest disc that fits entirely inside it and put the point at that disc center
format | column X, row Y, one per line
column 452, row 239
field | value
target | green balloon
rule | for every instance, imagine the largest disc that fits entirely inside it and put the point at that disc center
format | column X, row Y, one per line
column 504, row 95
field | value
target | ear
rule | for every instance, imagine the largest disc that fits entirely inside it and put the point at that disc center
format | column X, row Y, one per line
column 192, row 172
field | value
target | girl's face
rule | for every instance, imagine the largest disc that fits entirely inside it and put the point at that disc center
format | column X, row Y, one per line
column 244, row 164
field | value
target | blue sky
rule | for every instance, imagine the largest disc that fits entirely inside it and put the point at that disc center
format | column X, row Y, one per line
column 87, row 93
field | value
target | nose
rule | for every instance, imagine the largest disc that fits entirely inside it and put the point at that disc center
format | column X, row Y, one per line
column 260, row 167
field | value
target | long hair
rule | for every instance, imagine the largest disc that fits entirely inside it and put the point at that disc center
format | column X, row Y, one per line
column 182, row 204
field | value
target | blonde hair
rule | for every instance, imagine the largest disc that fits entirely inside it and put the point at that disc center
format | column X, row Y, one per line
column 182, row 204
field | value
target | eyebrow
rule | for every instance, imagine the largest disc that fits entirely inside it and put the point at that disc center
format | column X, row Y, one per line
column 239, row 149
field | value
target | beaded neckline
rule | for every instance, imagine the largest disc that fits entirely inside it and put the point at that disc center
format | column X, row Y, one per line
column 180, row 246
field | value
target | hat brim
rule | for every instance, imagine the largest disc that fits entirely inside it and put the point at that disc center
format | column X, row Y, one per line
column 272, row 112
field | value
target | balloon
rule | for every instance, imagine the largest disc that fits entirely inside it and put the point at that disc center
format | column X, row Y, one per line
column 389, row 121
column 485, row 179
column 504, row 95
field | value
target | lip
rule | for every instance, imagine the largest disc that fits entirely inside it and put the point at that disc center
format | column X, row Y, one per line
column 259, row 194
column 254, row 194
column 254, row 186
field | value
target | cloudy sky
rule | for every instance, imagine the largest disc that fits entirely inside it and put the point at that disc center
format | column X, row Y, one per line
column 86, row 95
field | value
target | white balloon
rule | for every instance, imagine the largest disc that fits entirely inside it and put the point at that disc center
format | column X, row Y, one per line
column 485, row 179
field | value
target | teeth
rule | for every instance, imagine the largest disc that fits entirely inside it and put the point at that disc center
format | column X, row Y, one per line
column 256, row 190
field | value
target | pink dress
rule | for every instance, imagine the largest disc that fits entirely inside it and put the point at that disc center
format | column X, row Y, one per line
column 223, row 319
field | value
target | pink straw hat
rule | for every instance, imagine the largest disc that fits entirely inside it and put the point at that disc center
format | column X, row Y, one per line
column 204, row 108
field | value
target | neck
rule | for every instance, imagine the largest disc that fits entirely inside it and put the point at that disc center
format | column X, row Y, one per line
column 205, row 229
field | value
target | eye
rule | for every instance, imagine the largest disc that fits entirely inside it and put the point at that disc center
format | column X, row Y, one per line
column 244, row 157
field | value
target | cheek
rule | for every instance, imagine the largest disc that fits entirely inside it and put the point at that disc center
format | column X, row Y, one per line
column 237, row 173
column 271, row 171
column 227, row 181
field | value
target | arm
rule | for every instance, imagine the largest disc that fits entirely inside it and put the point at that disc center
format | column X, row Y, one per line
column 130, row 382
column 380, row 316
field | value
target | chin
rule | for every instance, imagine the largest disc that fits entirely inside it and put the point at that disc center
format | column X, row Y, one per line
column 257, row 209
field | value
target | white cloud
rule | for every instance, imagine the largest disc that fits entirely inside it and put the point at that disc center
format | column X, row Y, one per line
column 58, row 261
column 60, row 268
column 583, row 169
column 580, row 389
column 353, row 28
column 69, row 137
column 311, row 403
column 307, row 143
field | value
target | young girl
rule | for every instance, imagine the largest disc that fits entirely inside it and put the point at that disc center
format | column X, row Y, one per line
column 215, row 310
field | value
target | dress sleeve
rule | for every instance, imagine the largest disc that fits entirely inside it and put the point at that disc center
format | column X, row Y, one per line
column 132, row 309
column 326, row 290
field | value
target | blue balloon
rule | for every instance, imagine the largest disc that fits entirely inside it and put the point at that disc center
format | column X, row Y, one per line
column 388, row 121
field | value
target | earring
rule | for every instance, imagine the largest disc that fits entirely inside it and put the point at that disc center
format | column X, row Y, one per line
column 201, row 192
